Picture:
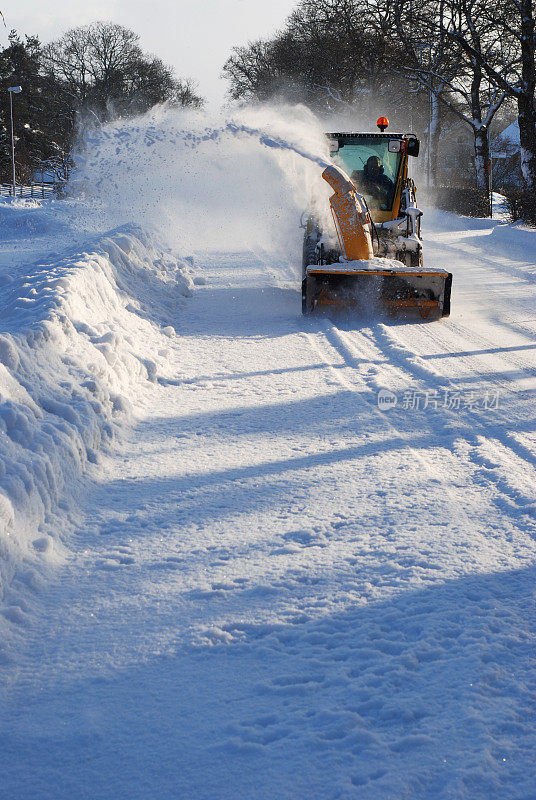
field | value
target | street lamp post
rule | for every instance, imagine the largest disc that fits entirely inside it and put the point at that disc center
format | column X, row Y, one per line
column 13, row 90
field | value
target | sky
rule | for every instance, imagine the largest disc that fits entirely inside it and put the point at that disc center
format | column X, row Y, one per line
column 193, row 36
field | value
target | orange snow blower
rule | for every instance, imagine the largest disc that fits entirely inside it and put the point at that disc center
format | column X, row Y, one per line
column 377, row 258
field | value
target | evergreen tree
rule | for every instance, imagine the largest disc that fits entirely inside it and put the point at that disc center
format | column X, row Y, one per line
column 36, row 139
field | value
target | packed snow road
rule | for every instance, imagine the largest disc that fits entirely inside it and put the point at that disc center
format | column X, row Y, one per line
column 279, row 589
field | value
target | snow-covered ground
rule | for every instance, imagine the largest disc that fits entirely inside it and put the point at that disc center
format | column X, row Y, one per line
column 228, row 573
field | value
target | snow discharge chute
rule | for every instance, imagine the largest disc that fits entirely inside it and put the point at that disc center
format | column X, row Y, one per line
column 350, row 215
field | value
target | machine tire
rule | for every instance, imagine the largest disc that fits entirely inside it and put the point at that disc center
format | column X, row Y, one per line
column 304, row 308
column 446, row 301
column 309, row 254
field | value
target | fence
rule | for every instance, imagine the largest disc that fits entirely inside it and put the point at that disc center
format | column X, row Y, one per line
column 41, row 190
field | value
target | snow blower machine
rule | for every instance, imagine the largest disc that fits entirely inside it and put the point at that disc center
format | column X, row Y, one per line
column 373, row 258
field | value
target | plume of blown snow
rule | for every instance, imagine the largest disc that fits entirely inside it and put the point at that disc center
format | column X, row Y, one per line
column 206, row 183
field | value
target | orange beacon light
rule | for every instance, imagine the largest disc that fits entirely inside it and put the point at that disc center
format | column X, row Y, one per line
column 382, row 123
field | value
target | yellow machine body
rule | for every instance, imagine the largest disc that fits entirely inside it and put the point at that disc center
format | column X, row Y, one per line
column 367, row 211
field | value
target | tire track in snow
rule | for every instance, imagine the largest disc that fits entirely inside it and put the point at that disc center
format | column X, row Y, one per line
column 333, row 338
column 466, row 335
column 500, row 263
column 516, row 458
column 416, row 366
column 392, row 342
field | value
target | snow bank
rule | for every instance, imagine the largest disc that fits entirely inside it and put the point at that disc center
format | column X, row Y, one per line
column 76, row 341
column 80, row 332
column 515, row 239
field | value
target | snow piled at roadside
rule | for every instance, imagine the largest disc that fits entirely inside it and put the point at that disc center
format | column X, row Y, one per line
column 85, row 313
column 76, row 340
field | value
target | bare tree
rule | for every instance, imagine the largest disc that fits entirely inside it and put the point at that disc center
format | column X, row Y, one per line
column 42, row 125
column 453, row 77
column 102, row 67
column 327, row 55
column 508, row 27
column 257, row 71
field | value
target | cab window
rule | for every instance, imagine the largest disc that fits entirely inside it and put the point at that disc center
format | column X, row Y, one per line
column 372, row 168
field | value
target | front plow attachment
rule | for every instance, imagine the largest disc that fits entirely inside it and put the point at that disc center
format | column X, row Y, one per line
column 424, row 292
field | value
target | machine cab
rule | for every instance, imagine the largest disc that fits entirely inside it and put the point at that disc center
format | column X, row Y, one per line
column 377, row 164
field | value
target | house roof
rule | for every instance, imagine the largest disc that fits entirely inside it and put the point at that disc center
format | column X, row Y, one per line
column 509, row 136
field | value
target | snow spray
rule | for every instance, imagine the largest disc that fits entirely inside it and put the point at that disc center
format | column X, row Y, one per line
column 267, row 140
column 238, row 183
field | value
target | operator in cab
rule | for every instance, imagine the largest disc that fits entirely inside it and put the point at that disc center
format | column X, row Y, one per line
column 375, row 183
